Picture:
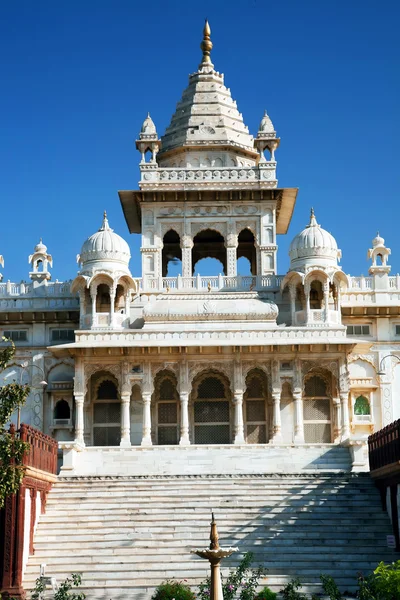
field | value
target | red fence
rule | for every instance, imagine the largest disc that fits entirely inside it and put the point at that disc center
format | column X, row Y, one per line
column 384, row 446
column 15, row 543
column 43, row 449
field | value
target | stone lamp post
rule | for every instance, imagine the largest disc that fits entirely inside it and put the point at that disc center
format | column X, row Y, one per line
column 215, row 554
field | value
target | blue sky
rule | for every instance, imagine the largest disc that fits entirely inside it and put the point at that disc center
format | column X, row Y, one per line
column 78, row 77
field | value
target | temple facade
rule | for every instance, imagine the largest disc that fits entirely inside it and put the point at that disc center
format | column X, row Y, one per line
column 118, row 364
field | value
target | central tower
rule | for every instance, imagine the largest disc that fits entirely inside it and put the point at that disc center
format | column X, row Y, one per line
column 207, row 189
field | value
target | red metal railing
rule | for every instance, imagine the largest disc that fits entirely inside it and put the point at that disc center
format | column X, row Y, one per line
column 384, row 446
column 43, row 449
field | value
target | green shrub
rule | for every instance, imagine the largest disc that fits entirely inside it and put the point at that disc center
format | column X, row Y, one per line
column 241, row 583
column 266, row 594
column 382, row 584
column 330, row 588
column 173, row 590
column 290, row 591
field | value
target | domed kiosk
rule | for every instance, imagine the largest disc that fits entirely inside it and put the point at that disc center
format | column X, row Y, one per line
column 314, row 279
column 104, row 282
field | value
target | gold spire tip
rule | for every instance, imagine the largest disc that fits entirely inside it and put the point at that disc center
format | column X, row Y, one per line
column 206, row 44
column 105, row 214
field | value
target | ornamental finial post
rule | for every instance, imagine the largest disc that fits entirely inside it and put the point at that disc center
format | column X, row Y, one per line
column 206, row 44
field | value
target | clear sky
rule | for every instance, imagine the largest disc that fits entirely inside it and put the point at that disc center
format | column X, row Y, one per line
column 77, row 78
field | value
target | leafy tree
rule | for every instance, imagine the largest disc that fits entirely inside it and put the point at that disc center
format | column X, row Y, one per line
column 173, row 590
column 12, row 450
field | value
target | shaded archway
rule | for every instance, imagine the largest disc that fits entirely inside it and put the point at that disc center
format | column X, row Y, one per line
column 246, row 249
column 317, row 411
column 106, row 411
column 166, row 409
column 255, row 407
column 209, row 244
column 171, row 252
column 211, row 409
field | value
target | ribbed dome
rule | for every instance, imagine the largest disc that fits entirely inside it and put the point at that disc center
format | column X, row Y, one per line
column 40, row 247
column 148, row 126
column 105, row 245
column 378, row 241
column 313, row 245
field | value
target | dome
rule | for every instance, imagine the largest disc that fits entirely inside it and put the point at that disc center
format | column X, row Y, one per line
column 105, row 246
column 148, row 127
column 378, row 241
column 266, row 125
column 40, row 247
column 313, row 245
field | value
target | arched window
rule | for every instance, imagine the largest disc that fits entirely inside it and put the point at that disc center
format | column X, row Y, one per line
column 317, row 411
column 361, row 406
column 62, row 410
column 119, row 304
column 211, row 412
column 167, row 409
column 255, row 407
column 316, row 295
column 171, row 254
column 209, row 244
column 103, row 300
column 106, row 415
column 246, row 249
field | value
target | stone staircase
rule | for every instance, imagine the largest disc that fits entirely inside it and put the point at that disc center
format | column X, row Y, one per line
column 128, row 534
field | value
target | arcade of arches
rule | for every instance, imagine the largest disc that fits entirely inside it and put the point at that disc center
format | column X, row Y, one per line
column 211, row 410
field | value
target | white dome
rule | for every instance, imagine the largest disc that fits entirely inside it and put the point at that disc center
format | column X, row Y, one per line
column 266, row 125
column 105, row 246
column 148, row 126
column 313, row 245
column 378, row 241
column 40, row 247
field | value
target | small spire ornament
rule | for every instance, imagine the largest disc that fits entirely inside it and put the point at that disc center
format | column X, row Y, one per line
column 206, row 44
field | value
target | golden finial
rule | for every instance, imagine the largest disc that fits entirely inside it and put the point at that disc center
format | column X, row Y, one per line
column 214, row 538
column 206, row 44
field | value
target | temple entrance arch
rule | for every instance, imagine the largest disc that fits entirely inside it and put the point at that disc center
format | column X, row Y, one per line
column 211, row 408
column 171, row 253
column 106, row 410
column 209, row 243
column 255, row 406
column 317, row 409
column 246, row 249
column 165, row 409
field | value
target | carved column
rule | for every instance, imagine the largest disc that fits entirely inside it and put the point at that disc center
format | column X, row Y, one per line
column 239, row 425
column 112, row 304
column 298, row 421
column 238, row 389
column 231, row 254
column 326, row 301
column 79, row 427
column 337, row 413
column 125, row 421
column 82, row 308
column 186, row 247
column 184, row 400
column 344, row 399
column 292, row 293
column 276, row 426
column 147, row 391
column 93, row 295
column 307, row 294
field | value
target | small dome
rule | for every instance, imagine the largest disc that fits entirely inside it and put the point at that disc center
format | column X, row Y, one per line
column 40, row 247
column 378, row 241
column 313, row 245
column 266, row 125
column 105, row 246
column 148, row 127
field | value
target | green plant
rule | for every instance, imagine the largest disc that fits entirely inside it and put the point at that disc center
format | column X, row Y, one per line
column 173, row 590
column 330, row 588
column 290, row 591
column 241, row 582
column 12, row 449
column 265, row 594
column 64, row 588
column 382, row 584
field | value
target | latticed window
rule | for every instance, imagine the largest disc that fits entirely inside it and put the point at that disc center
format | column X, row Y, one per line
column 167, row 412
column 211, row 413
column 255, row 408
column 106, row 423
column 316, row 412
column 361, row 406
column 107, row 415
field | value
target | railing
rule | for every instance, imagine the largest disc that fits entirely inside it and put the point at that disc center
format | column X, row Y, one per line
column 151, row 173
column 360, row 283
column 43, row 449
column 384, row 446
column 215, row 283
column 52, row 288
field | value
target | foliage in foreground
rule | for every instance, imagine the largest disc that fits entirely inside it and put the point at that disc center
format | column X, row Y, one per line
column 241, row 582
column 12, row 450
column 64, row 589
column 173, row 590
